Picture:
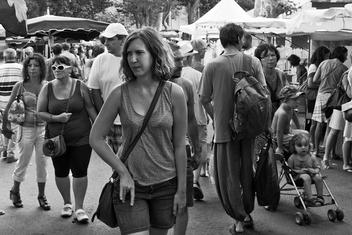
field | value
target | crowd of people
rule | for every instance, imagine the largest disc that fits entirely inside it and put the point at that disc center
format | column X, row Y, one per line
column 98, row 98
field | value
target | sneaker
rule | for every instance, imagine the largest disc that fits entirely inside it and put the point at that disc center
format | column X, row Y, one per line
column 197, row 191
column 67, row 211
column 347, row 168
column 81, row 216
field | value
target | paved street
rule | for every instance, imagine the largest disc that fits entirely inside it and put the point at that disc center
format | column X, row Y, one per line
column 206, row 218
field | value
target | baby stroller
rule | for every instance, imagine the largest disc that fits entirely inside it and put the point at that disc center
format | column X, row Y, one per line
column 288, row 184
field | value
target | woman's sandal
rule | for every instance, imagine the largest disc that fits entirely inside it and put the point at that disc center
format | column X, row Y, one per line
column 15, row 197
column 248, row 222
column 43, row 203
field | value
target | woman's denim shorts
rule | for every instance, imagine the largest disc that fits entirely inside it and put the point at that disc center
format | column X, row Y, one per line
column 153, row 207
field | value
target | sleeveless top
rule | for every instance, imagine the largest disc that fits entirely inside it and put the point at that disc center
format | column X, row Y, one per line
column 76, row 131
column 152, row 160
column 30, row 104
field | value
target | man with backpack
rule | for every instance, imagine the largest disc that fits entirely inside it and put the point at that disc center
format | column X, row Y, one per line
column 233, row 155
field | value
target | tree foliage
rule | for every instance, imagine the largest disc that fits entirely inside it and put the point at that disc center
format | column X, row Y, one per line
column 138, row 12
column 75, row 8
column 143, row 12
column 274, row 8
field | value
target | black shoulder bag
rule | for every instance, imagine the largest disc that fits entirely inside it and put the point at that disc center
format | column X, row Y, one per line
column 105, row 211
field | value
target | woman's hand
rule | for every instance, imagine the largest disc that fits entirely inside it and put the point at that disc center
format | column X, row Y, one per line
column 127, row 186
column 63, row 117
column 179, row 202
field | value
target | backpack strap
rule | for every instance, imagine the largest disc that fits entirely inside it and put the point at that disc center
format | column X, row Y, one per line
column 247, row 63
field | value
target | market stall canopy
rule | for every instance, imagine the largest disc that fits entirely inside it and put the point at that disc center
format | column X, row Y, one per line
column 65, row 27
column 228, row 11
column 225, row 11
column 13, row 15
column 332, row 24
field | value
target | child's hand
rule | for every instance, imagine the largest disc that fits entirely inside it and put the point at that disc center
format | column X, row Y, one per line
column 312, row 171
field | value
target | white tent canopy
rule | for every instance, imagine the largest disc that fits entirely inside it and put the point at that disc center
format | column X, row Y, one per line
column 224, row 12
column 332, row 24
column 228, row 11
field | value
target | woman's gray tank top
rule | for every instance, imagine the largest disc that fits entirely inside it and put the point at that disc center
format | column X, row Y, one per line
column 152, row 160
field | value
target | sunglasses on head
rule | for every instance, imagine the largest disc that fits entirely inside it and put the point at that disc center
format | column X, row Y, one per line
column 59, row 67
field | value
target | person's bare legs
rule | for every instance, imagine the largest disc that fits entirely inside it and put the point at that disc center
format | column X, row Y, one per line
column 79, row 186
column 317, row 136
column 64, row 186
column 41, row 189
column 307, row 182
column 318, row 185
column 330, row 144
column 346, row 153
column 312, row 134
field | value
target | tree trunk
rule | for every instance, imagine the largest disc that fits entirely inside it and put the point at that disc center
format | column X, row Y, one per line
column 192, row 9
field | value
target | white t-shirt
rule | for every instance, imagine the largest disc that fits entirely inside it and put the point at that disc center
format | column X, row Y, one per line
column 194, row 77
column 105, row 75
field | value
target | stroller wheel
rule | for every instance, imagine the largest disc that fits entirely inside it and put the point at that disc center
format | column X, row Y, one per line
column 299, row 218
column 307, row 218
column 297, row 202
column 339, row 214
column 332, row 215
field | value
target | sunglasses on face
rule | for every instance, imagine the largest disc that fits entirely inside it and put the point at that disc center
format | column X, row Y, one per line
column 59, row 67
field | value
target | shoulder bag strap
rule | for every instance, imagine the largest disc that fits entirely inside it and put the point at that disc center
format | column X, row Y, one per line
column 144, row 125
column 67, row 106
column 19, row 92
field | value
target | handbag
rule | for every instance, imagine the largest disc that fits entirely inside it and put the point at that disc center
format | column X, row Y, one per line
column 56, row 146
column 105, row 211
column 17, row 112
column 266, row 184
column 310, row 92
column 337, row 98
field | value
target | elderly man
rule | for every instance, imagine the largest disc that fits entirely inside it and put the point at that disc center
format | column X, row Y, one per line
column 105, row 75
column 10, row 74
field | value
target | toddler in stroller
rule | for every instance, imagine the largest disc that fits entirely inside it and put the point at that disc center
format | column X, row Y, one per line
column 305, row 168
column 301, row 169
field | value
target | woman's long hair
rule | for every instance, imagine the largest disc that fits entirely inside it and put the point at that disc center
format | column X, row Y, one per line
column 163, row 62
column 319, row 55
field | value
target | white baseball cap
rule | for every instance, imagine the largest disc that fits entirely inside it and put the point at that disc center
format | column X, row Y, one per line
column 186, row 49
column 114, row 29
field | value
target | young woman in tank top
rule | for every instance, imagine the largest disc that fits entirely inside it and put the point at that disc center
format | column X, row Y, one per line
column 152, row 185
